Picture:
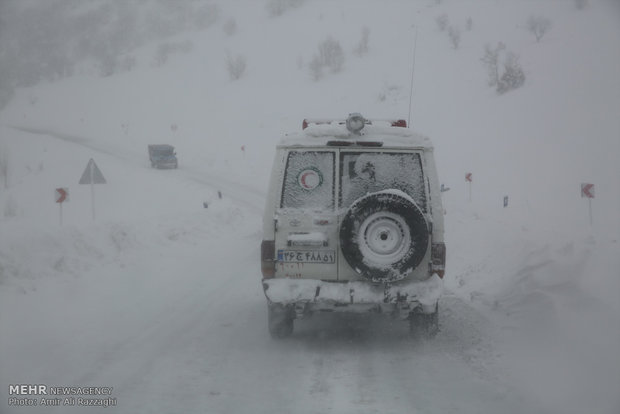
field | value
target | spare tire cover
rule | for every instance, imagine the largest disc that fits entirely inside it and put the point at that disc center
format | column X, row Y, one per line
column 384, row 235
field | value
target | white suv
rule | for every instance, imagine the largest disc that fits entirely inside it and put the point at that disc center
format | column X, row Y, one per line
column 353, row 223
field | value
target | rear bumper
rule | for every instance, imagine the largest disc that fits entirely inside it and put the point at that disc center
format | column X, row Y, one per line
column 308, row 296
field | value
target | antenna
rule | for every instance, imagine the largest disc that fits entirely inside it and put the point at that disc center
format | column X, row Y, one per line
column 415, row 43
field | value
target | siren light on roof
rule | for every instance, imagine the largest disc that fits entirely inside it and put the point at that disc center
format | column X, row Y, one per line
column 355, row 123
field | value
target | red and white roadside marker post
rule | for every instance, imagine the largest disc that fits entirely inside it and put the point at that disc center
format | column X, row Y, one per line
column 587, row 191
column 60, row 196
column 468, row 179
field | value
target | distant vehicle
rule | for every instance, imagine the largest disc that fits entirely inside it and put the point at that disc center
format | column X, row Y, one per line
column 163, row 156
column 353, row 223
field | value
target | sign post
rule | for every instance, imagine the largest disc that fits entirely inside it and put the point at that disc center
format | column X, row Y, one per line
column 587, row 191
column 92, row 175
column 468, row 179
column 60, row 196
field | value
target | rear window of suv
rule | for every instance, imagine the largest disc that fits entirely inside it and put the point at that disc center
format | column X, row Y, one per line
column 309, row 177
column 309, row 180
column 367, row 172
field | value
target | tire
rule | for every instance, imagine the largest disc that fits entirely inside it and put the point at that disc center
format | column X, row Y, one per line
column 384, row 236
column 280, row 320
column 423, row 325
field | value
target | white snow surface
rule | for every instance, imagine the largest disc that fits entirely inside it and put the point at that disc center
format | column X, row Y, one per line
column 160, row 297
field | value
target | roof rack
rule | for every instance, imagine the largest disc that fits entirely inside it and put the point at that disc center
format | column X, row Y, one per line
column 401, row 123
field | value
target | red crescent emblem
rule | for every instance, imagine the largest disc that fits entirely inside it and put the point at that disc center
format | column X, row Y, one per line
column 309, row 179
column 303, row 179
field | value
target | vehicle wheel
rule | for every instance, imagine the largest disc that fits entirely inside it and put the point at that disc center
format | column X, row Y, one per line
column 280, row 320
column 384, row 236
column 424, row 325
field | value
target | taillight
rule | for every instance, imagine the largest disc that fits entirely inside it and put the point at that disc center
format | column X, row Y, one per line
column 267, row 258
column 438, row 258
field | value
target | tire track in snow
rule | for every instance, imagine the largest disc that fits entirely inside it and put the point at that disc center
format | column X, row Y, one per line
column 369, row 364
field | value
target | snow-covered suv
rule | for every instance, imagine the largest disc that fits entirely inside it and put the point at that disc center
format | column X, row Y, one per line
column 353, row 223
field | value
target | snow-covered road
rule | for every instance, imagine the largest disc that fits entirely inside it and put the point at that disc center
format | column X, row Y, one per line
column 169, row 312
column 173, row 328
column 166, row 307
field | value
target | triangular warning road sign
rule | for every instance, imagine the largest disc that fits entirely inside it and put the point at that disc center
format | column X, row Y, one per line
column 92, row 174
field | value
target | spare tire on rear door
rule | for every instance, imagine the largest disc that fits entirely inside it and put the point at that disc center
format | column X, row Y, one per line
column 384, row 235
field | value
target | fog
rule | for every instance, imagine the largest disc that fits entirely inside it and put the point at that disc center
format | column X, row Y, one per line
column 159, row 296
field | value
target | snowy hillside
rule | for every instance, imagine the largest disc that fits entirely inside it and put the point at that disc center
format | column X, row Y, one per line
column 160, row 297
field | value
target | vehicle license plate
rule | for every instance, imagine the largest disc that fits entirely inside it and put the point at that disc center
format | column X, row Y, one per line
column 307, row 256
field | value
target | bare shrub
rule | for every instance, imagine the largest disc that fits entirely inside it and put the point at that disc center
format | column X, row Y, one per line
column 390, row 92
column 4, row 165
column 330, row 55
column 513, row 76
column 581, row 4
column 236, row 66
column 6, row 93
column 56, row 38
column 164, row 50
column 230, row 27
column 10, row 208
column 126, row 63
column 277, row 8
column 454, row 34
column 538, row 26
column 204, row 15
column 107, row 65
column 362, row 47
column 490, row 61
column 442, row 22
column 316, row 68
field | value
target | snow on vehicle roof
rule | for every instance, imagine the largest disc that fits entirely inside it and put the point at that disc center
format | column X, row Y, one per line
column 320, row 135
column 161, row 146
